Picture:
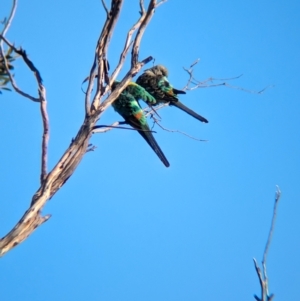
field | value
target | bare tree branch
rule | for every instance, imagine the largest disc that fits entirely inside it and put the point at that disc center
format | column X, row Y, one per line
column 57, row 177
column 102, row 46
column 10, row 18
column 128, row 43
column 277, row 197
column 142, row 28
column 209, row 82
column 142, row 7
column 105, row 128
column 13, row 82
column 43, row 108
column 263, row 277
column 2, row 38
column 45, row 139
column 105, row 7
column 156, row 121
column 41, row 91
column 161, row 2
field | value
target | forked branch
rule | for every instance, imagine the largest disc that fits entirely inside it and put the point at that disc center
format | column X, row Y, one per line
column 212, row 82
column 56, row 178
column 262, row 276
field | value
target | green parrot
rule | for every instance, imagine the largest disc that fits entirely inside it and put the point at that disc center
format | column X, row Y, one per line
column 155, row 81
column 128, row 107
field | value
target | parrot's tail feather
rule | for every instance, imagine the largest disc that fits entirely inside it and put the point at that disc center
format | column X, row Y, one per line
column 182, row 107
column 178, row 91
column 153, row 144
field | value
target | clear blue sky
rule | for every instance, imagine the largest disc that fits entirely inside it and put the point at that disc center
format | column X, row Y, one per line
column 124, row 227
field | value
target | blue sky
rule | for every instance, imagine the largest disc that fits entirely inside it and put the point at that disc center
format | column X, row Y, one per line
column 124, row 227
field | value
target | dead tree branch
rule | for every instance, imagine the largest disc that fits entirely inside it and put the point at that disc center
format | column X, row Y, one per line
column 105, row 7
column 11, row 78
column 156, row 121
column 57, row 177
column 262, row 276
column 10, row 18
column 194, row 83
column 41, row 91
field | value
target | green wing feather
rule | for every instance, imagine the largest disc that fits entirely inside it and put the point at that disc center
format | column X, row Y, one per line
column 128, row 107
column 139, row 92
column 155, row 81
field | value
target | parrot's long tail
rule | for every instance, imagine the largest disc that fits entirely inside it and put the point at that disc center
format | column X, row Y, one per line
column 182, row 107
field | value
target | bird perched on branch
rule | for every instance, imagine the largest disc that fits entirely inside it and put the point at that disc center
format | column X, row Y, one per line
column 128, row 107
column 155, row 81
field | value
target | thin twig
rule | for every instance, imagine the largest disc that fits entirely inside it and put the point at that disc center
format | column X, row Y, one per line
column 105, row 128
column 204, row 84
column 261, row 281
column 247, row 90
column 11, row 78
column 102, row 46
column 277, row 197
column 263, row 277
column 45, row 139
column 177, row 131
column 136, row 44
column 43, row 107
column 90, row 87
column 41, row 91
column 105, row 7
column 160, row 2
column 10, row 18
column 149, row 110
column 127, row 44
column 91, row 148
column 190, row 73
column 142, row 12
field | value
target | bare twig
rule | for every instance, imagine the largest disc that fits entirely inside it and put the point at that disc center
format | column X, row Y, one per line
column 128, row 43
column 263, row 277
column 142, row 7
column 2, row 38
column 102, row 46
column 43, row 107
column 11, row 78
column 90, row 88
column 150, row 110
column 105, row 128
column 190, row 73
column 160, row 2
column 91, row 148
column 141, row 30
column 277, row 197
column 105, row 7
column 247, row 90
column 209, row 82
column 10, row 18
column 176, row 131
column 41, row 91
column 45, row 139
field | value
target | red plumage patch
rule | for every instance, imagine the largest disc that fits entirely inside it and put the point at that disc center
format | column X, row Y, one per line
column 138, row 115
